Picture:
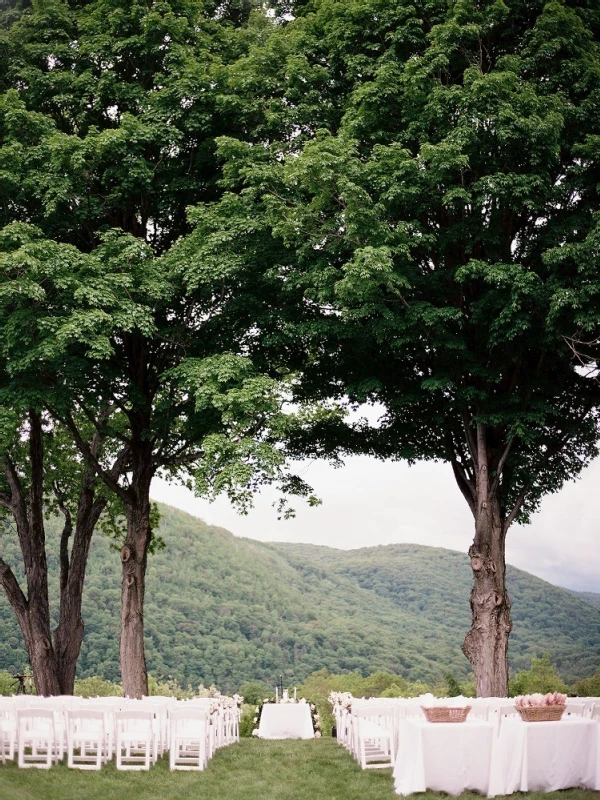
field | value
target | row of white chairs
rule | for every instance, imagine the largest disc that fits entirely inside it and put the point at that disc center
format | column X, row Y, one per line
column 369, row 729
column 42, row 731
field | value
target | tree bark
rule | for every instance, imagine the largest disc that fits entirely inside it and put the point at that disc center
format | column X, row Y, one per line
column 68, row 634
column 486, row 643
column 133, row 559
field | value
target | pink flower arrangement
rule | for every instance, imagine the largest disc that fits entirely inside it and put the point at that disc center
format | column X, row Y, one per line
column 539, row 700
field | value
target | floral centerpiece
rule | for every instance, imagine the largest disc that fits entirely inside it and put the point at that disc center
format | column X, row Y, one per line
column 314, row 714
column 341, row 700
column 224, row 701
column 541, row 707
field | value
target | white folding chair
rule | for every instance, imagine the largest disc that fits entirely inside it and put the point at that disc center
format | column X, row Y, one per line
column 575, row 709
column 36, row 735
column 189, row 736
column 159, row 706
column 8, row 730
column 89, row 740
column 135, row 739
column 374, row 736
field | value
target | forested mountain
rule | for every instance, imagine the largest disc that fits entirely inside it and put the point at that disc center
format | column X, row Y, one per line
column 222, row 609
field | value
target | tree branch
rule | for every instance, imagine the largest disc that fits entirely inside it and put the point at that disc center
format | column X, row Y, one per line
column 14, row 593
column 500, row 466
column 67, row 531
column 108, row 477
column 469, row 439
column 183, row 458
column 465, row 485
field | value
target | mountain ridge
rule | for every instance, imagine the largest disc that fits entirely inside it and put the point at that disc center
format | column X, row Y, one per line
column 223, row 609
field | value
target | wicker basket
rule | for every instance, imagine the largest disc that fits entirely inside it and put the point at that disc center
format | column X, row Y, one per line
column 446, row 713
column 541, row 713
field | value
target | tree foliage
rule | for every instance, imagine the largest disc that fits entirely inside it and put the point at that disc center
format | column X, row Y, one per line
column 436, row 193
column 108, row 117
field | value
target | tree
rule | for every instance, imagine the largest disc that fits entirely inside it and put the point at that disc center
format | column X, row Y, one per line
column 436, row 222
column 37, row 473
column 107, row 126
column 41, row 469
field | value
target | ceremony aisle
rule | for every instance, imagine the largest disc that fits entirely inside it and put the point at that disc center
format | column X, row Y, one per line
column 251, row 770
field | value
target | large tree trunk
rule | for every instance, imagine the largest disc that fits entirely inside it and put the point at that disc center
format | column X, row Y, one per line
column 133, row 558
column 38, row 641
column 68, row 634
column 34, row 620
column 486, row 643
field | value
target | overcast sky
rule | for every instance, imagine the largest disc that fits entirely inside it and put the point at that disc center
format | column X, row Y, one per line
column 368, row 503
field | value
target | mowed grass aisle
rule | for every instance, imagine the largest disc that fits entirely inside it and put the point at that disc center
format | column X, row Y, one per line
column 250, row 770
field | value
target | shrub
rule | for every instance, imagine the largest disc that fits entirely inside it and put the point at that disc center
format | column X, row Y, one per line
column 247, row 723
column 255, row 692
column 8, row 685
column 540, row 677
column 170, row 688
column 588, row 687
column 96, row 687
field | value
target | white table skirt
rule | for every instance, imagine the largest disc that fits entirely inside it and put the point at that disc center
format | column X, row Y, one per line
column 285, row 721
column 545, row 756
column 452, row 757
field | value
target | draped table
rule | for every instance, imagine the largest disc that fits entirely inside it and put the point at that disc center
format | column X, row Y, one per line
column 285, row 721
column 545, row 756
column 452, row 757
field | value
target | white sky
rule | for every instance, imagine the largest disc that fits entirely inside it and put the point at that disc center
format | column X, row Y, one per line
column 368, row 502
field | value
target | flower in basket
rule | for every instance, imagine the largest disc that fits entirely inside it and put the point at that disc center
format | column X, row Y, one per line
column 538, row 700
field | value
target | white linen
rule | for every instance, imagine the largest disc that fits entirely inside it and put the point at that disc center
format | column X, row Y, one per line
column 545, row 756
column 285, row 721
column 451, row 757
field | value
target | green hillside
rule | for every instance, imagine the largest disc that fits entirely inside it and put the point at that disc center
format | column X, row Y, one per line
column 222, row 609
column 593, row 598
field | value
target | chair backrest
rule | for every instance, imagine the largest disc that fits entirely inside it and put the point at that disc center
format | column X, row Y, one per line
column 33, row 717
column 87, row 719
column 479, row 711
column 382, row 715
column 574, row 708
column 189, row 713
column 134, row 718
column 85, row 713
column 508, row 710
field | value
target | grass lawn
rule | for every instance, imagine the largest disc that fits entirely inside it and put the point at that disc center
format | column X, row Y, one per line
column 250, row 770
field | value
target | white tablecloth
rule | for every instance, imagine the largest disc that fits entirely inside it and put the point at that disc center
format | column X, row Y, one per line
column 545, row 756
column 451, row 757
column 285, row 721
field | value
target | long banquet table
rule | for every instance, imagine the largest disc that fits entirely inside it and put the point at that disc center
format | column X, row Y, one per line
column 516, row 757
column 545, row 756
column 285, row 721
column 445, row 757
